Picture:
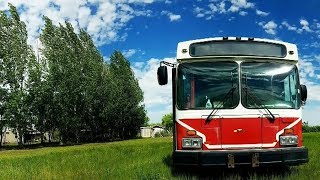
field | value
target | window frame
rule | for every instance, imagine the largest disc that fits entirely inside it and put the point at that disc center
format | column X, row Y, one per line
column 275, row 62
column 237, row 91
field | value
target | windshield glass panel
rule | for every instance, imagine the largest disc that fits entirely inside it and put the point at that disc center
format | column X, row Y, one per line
column 204, row 85
column 276, row 85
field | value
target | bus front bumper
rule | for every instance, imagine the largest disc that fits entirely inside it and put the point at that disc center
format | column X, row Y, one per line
column 232, row 158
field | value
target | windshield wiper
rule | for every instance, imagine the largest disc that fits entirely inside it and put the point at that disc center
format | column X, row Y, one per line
column 257, row 101
column 221, row 103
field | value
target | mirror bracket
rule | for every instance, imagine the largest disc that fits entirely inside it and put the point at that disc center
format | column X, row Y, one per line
column 163, row 72
column 168, row 64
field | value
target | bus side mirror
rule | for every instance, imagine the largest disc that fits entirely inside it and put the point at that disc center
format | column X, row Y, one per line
column 304, row 93
column 162, row 75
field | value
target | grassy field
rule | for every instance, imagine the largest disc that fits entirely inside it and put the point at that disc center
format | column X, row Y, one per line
column 135, row 159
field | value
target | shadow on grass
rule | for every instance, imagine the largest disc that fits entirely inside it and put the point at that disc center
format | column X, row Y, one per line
column 197, row 172
column 30, row 146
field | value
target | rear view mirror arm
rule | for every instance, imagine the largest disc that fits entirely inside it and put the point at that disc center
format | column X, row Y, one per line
column 167, row 64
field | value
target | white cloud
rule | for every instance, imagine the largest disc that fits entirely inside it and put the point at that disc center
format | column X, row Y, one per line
column 234, row 9
column 305, row 25
column 304, row 22
column 288, row 26
column 198, row 10
column 139, row 65
column 128, row 53
column 309, row 70
column 214, row 8
column 102, row 19
column 223, row 7
column 269, row 27
column 4, row 4
column 171, row 16
column 200, row 15
column 174, row 17
column 201, row 12
column 237, row 5
column 261, row 13
column 242, row 3
column 84, row 14
column 158, row 99
column 315, row 44
column 243, row 13
column 140, row 1
column 168, row 2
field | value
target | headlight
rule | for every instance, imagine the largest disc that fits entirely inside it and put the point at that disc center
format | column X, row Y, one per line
column 288, row 140
column 193, row 143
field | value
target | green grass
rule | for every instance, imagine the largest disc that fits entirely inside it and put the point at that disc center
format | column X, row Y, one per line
column 135, row 159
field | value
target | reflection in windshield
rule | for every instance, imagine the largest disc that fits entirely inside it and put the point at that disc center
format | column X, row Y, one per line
column 204, row 85
column 275, row 84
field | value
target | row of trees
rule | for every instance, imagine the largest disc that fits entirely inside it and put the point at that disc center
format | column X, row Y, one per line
column 67, row 87
column 307, row 128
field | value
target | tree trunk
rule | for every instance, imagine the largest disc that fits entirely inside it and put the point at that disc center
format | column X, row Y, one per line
column 42, row 140
column 50, row 136
column 20, row 143
column 61, row 139
column 1, row 135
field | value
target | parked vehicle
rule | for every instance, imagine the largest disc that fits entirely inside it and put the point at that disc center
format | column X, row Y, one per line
column 236, row 101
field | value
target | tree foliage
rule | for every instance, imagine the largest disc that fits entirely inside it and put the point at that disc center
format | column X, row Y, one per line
column 167, row 121
column 16, row 55
column 67, row 87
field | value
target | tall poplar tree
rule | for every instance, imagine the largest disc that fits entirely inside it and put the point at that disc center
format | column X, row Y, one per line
column 127, row 103
column 17, row 55
column 4, row 24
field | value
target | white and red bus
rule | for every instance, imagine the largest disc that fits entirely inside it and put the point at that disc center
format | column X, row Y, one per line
column 236, row 101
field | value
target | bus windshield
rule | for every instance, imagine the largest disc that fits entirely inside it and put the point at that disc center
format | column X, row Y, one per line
column 275, row 85
column 204, row 85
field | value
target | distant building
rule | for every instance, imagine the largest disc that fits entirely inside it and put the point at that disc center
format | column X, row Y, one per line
column 147, row 132
column 11, row 136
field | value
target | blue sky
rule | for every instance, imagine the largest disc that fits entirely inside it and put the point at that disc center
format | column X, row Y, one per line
column 147, row 31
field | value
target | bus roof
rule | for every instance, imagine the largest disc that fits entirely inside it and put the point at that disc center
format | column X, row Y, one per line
column 184, row 51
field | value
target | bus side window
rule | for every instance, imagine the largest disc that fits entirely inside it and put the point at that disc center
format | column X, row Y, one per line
column 293, row 86
column 287, row 89
column 290, row 91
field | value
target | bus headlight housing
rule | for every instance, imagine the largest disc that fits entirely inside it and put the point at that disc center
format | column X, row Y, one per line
column 192, row 143
column 288, row 140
